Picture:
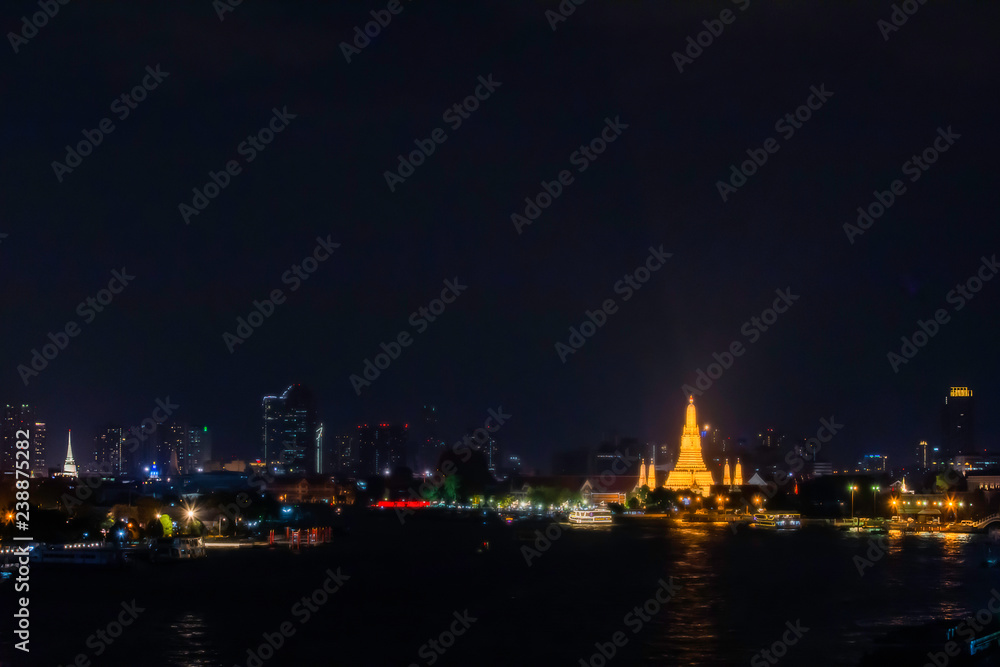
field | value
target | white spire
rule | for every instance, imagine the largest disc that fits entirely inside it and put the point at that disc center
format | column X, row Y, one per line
column 69, row 467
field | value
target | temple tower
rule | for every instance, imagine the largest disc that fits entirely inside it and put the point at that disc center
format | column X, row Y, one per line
column 690, row 471
column 69, row 467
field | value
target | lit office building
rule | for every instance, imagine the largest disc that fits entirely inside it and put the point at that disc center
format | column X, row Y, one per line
column 958, row 418
column 290, row 430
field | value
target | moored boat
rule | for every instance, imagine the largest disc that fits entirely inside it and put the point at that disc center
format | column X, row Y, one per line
column 598, row 515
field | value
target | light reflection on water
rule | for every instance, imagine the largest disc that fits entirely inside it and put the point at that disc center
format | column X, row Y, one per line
column 739, row 590
column 187, row 642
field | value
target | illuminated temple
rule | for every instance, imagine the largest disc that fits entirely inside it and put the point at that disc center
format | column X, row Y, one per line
column 690, row 472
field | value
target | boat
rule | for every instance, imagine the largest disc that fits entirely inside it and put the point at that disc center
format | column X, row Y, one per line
column 80, row 554
column 597, row 515
column 162, row 549
column 777, row 521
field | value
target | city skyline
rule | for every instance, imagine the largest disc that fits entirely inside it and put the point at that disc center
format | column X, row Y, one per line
column 743, row 442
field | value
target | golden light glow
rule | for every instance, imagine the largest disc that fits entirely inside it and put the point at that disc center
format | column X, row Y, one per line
column 690, row 472
column 961, row 391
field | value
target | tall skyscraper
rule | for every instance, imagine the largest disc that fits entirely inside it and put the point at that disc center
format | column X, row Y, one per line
column 381, row 448
column 290, row 430
column 199, row 449
column 38, row 465
column 109, row 448
column 176, row 449
column 491, row 450
column 319, row 467
column 344, row 455
column 15, row 418
column 690, row 471
column 922, row 454
column 958, row 421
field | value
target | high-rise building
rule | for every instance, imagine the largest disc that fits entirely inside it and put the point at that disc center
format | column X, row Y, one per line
column 15, row 418
column 290, row 430
column 381, row 448
column 320, row 465
column 176, row 449
column 429, row 444
column 873, row 463
column 38, row 465
column 922, row 454
column 514, row 465
column 958, row 419
column 343, row 455
column 199, row 449
column 690, row 471
column 109, row 447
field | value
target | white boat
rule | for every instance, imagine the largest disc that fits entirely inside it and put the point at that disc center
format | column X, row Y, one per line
column 591, row 516
column 176, row 548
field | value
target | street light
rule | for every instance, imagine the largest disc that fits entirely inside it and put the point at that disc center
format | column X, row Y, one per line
column 874, row 501
column 722, row 501
column 853, row 489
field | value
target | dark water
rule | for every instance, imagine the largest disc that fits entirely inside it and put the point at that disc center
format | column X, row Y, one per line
column 736, row 593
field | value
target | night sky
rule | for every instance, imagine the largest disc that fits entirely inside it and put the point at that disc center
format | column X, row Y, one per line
column 655, row 185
